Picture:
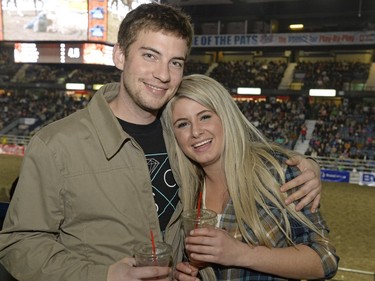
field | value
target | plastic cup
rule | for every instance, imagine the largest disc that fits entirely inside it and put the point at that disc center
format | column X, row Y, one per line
column 191, row 220
column 145, row 255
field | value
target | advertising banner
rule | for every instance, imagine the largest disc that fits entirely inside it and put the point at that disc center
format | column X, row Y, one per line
column 367, row 178
column 12, row 149
column 335, row 176
column 284, row 39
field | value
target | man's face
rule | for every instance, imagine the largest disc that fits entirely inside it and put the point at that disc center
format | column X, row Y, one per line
column 152, row 70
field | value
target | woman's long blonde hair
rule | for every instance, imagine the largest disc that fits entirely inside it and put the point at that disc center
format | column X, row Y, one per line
column 252, row 173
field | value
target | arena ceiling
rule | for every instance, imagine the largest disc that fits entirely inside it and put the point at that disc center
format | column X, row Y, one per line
column 316, row 15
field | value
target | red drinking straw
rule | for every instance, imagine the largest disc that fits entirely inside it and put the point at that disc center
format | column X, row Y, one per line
column 153, row 243
column 199, row 208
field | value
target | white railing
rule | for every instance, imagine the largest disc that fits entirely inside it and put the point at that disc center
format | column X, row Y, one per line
column 348, row 274
column 13, row 139
column 351, row 165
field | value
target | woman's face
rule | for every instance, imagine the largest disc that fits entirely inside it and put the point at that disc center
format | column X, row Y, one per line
column 199, row 132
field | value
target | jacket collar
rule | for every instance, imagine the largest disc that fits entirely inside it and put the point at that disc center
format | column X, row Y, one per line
column 110, row 133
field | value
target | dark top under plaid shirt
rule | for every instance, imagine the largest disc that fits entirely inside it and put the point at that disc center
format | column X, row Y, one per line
column 300, row 235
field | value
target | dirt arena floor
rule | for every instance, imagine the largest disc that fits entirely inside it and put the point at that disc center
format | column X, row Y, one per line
column 348, row 209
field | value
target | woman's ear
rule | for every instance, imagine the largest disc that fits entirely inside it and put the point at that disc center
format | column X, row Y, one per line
column 118, row 57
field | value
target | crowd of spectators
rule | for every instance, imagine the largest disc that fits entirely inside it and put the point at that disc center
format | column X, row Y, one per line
column 29, row 110
column 330, row 74
column 41, row 73
column 8, row 69
column 196, row 67
column 343, row 130
column 279, row 120
column 265, row 75
column 89, row 75
column 61, row 74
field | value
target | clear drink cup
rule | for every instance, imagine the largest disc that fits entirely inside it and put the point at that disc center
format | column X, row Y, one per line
column 145, row 255
column 191, row 220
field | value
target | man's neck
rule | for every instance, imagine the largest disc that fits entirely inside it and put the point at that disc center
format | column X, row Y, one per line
column 123, row 109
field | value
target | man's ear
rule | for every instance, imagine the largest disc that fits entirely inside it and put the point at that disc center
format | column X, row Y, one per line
column 118, row 57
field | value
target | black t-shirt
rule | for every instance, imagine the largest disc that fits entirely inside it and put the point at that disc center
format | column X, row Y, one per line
column 164, row 187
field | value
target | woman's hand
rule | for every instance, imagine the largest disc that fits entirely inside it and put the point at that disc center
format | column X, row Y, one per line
column 215, row 245
column 309, row 179
column 185, row 272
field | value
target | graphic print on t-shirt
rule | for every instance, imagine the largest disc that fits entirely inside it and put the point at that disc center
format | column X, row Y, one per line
column 163, row 186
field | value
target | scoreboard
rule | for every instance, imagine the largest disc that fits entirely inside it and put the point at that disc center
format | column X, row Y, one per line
column 63, row 52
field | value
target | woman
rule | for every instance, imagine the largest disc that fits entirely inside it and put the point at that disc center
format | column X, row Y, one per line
column 220, row 152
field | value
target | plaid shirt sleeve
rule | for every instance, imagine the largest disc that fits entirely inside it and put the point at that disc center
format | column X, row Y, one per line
column 319, row 243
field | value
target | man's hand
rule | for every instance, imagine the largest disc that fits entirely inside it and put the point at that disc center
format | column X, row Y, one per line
column 124, row 270
column 309, row 179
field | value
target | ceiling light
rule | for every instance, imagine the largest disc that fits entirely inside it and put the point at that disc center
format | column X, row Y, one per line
column 322, row 93
column 298, row 26
column 74, row 86
column 248, row 91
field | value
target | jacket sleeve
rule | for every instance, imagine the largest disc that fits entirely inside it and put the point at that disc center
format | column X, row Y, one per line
column 30, row 245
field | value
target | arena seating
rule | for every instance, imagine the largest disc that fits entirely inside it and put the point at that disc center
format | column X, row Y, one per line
column 330, row 74
column 344, row 130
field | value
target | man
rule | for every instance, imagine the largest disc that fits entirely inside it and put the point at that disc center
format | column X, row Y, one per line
column 93, row 185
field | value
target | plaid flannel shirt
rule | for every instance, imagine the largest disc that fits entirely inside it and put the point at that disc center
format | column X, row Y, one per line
column 300, row 235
